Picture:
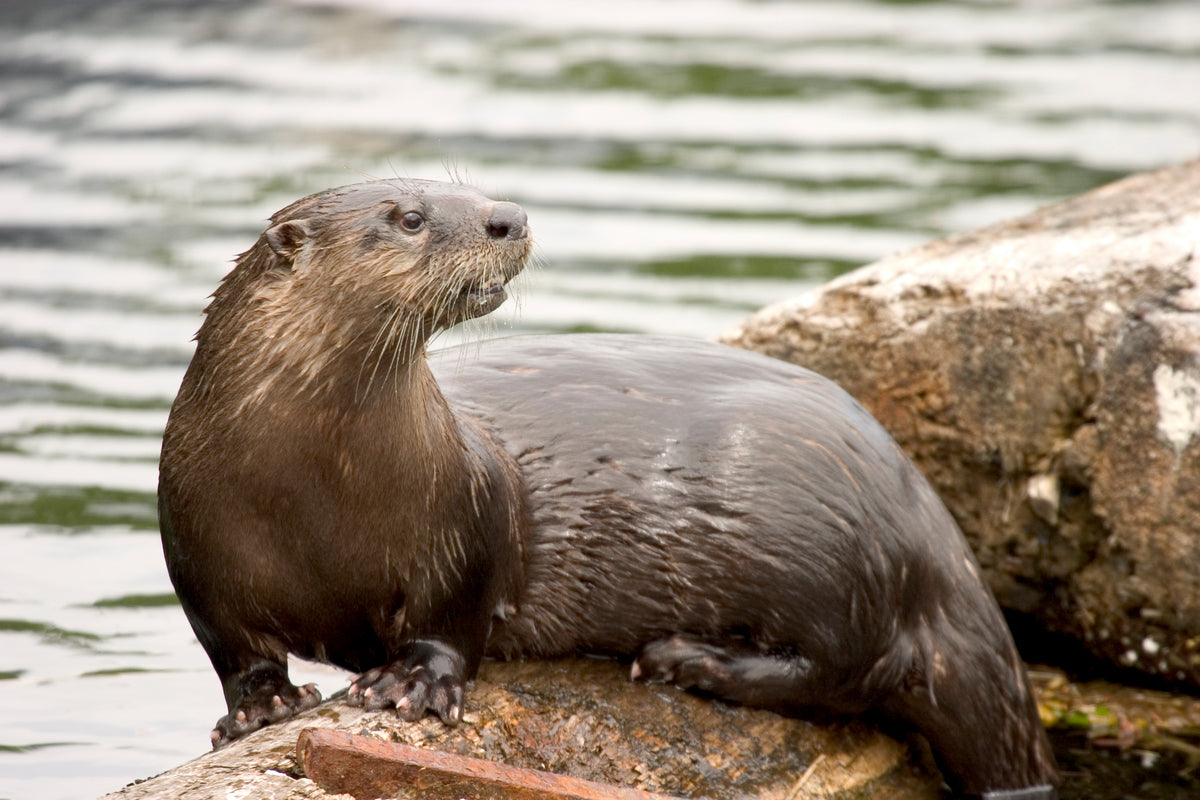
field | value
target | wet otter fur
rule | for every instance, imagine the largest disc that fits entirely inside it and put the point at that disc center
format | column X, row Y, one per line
column 739, row 525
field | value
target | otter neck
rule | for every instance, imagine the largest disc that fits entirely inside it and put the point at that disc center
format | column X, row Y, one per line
column 339, row 389
column 369, row 411
column 317, row 354
column 371, row 404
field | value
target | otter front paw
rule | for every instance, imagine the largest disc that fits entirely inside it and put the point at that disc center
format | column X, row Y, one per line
column 263, row 707
column 430, row 678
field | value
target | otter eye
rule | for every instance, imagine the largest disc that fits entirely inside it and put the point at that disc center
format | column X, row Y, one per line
column 411, row 222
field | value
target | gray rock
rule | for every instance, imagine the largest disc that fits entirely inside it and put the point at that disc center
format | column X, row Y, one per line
column 1044, row 373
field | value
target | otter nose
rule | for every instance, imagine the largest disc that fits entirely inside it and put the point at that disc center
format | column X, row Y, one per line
column 507, row 221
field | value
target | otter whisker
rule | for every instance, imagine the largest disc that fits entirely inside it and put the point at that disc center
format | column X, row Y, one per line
column 385, row 332
column 400, row 347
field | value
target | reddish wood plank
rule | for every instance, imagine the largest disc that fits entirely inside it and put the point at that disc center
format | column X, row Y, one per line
column 369, row 768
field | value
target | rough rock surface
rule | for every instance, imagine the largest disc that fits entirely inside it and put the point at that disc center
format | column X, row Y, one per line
column 586, row 719
column 1044, row 373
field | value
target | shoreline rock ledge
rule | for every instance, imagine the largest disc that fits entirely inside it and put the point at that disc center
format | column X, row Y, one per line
column 1044, row 373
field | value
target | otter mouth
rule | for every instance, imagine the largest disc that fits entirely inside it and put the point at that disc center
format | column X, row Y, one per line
column 483, row 298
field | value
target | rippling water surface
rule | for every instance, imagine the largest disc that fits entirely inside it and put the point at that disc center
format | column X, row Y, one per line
column 682, row 165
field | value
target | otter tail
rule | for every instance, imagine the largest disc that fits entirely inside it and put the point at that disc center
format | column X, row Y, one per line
column 967, row 692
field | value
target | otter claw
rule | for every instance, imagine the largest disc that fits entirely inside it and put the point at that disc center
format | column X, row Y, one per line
column 258, row 709
column 429, row 679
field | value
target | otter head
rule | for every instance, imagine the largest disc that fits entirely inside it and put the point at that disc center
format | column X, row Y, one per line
column 350, row 283
column 427, row 253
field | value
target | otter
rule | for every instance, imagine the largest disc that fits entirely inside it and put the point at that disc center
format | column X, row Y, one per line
column 735, row 524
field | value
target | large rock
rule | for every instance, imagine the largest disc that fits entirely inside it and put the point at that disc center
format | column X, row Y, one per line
column 1044, row 373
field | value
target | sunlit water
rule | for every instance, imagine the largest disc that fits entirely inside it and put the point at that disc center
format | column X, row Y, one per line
column 682, row 164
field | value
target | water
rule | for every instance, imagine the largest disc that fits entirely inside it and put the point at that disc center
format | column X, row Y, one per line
column 682, row 165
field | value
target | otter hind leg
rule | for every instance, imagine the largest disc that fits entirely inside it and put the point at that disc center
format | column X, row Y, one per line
column 259, row 695
column 739, row 674
column 429, row 677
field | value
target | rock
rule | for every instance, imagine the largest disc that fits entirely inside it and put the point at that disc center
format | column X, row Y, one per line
column 585, row 719
column 1044, row 373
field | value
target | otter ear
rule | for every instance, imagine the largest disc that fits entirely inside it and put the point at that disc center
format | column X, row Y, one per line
column 287, row 238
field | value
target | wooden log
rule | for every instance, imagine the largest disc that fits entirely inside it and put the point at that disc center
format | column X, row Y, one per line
column 368, row 767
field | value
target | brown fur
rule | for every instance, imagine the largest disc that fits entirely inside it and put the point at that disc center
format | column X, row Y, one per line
column 740, row 525
column 292, row 521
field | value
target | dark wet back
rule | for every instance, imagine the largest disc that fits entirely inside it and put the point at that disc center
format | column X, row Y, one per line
column 682, row 485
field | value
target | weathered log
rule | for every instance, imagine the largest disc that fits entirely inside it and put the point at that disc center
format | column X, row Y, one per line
column 584, row 719
column 368, row 767
column 1044, row 373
